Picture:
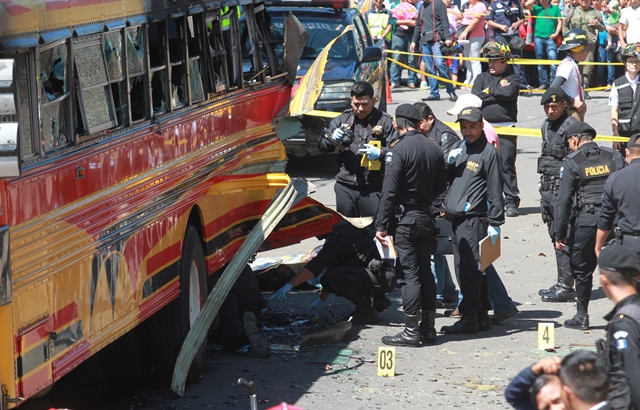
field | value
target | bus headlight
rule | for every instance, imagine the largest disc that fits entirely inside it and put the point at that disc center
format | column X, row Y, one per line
column 336, row 91
column 5, row 273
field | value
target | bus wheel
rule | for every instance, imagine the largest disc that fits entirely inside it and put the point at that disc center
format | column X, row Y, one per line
column 173, row 322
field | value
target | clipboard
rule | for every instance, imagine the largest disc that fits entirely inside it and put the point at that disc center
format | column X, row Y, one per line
column 488, row 252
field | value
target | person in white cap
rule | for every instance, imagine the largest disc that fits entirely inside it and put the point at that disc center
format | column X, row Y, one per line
column 472, row 100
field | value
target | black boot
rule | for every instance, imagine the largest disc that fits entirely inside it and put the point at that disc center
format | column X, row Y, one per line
column 562, row 291
column 581, row 320
column 553, row 288
column 467, row 325
column 410, row 336
column 427, row 327
column 365, row 312
column 484, row 323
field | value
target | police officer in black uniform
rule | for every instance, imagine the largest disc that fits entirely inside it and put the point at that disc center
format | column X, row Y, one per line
column 357, row 131
column 415, row 177
column 619, row 269
column 554, row 148
column 475, row 204
column 622, row 97
column 435, row 129
column 582, row 178
column 354, row 271
column 621, row 203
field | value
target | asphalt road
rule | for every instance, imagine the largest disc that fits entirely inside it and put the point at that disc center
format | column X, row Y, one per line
column 459, row 371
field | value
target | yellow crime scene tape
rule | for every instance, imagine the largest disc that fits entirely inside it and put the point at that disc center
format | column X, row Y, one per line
column 512, row 131
column 512, row 61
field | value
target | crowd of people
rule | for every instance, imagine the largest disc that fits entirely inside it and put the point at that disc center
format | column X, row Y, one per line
column 532, row 28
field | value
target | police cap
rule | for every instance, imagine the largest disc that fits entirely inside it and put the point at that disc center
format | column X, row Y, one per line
column 579, row 128
column 618, row 258
column 472, row 114
column 409, row 112
column 634, row 141
column 553, row 94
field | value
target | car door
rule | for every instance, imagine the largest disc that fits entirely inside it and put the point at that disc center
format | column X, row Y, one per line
column 372, row 72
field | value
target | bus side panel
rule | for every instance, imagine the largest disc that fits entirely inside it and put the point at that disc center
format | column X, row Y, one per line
column 7, row 351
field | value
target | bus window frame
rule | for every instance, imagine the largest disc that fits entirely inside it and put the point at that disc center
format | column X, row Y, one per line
column 67, row 98
column 217, row 55
column 144, row 75
column 79, row 44
column 196, row 23
column 159, row 68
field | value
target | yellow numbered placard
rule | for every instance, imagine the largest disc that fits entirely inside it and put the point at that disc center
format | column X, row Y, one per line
column 386, row 361
column 546, row 335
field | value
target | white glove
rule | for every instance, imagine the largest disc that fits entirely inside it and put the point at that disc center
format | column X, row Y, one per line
column 315, row 308
column 281, row 294
column 338, row 135
column 453, row 155
column 494, row 233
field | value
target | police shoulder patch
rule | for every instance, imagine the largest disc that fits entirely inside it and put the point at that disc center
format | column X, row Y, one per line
column 388, row 158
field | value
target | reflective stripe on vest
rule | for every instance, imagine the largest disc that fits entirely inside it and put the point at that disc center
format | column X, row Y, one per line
column 377, row 23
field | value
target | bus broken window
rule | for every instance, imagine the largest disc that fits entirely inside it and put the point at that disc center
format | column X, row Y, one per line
column 55, row 99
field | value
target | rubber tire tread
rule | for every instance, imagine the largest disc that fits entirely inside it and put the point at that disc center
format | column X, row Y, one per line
column 172, row 322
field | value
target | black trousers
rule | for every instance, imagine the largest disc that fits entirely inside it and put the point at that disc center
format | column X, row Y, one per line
column 548, row 207
column 634, row 245
column 466, row 235
column 414, row 241
column 582, row 242
column 508, row 153
column 350, row 282
column 355, row 202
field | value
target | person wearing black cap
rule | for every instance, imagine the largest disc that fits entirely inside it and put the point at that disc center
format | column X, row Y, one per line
column 582, row 178
column 357, row 187
column 475, row 205
column 415, row 176
column 555, row 148
column 619, row 269
column 621, row 203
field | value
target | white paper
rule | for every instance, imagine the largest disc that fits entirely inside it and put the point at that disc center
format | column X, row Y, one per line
column 386, row 252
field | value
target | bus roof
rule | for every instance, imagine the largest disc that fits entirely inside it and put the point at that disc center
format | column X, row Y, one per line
column 26, row 24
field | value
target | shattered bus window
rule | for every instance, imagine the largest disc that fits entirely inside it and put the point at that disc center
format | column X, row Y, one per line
column 137, row 64
column 136, row 55
column 197, row 90
column 53, row 72
column 113, row 53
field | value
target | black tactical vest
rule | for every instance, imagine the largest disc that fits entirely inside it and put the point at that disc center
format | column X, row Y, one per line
column 625, row 104
column 554, row 148
column 594, row 171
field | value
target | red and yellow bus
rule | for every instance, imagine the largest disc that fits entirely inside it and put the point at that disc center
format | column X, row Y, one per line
column 136, row 153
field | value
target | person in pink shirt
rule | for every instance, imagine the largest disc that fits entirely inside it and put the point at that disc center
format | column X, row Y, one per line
column 471, row 35
column 471, row 100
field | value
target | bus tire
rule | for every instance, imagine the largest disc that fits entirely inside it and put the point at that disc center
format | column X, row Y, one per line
column 174, row 321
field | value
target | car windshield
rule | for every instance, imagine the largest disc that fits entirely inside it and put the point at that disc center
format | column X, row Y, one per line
column 321, row 32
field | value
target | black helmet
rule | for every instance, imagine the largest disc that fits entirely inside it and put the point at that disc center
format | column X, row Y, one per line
column 493, row 50
column 574, row 38
column 630, row 50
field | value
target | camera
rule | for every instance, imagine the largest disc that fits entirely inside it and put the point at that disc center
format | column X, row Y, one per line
column 450, row 50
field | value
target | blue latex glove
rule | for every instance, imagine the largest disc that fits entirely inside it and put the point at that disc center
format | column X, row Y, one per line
column 371, row 151
column 338, row 135
column 281, row 294
column 494, row 233
column 315, row 308
column 455, row 153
